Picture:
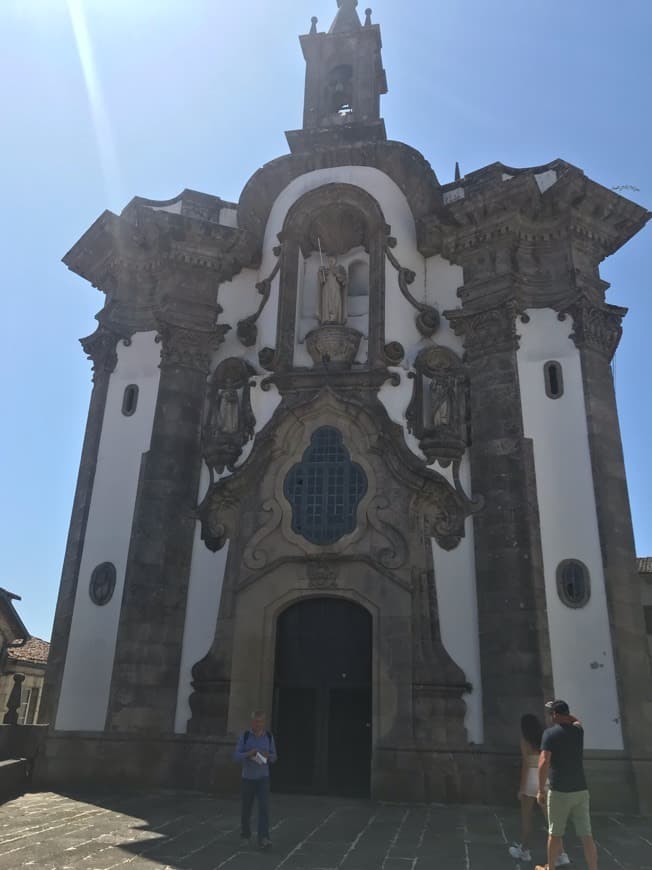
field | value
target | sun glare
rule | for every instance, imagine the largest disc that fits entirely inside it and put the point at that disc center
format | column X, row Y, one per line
column 102, row 125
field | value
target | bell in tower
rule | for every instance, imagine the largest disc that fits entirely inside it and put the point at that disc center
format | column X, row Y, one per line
column 344, row 82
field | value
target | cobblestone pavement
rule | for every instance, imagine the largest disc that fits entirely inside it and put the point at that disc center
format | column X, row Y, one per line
column 181, row 831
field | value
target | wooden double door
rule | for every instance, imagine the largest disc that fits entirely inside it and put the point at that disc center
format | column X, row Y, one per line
column 322, row 698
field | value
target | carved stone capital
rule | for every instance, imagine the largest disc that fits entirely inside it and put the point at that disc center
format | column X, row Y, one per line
column 189, row 348
column 486, row 332
column 100, row 347
column 596, row 326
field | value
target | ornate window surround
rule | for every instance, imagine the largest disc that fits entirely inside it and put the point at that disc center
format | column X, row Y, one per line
column 325, row 489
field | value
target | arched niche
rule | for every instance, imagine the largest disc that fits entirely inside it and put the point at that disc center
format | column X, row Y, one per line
column 343, row 221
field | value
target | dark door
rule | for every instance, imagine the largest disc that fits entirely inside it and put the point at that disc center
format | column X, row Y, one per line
column 322, row 698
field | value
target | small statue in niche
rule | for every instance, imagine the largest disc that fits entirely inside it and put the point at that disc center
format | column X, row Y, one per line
column 230, row 422
column 447, row 400
column 436, row 414
column 228, row 411
column 333, row 282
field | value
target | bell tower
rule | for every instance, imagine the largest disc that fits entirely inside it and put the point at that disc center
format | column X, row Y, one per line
column 344, row 82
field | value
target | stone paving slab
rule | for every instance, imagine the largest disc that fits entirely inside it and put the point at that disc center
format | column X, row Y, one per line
column 183, row 831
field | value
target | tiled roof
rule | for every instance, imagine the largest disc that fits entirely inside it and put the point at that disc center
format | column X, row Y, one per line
column 645, row 565
column 35, row 650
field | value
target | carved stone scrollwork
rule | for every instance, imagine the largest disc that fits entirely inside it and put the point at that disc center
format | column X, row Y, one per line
column 485, row 332
column 596, row 326
column 100, row 347
column 189, row 348
column 428, row 318
column 437, row 414
column 230, row 422
column 217, row 517
column 247, row 328
column 395, row 554
column 266, row 358
column 394, row 353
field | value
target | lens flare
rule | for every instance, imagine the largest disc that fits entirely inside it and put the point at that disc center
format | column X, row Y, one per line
column 101, row 122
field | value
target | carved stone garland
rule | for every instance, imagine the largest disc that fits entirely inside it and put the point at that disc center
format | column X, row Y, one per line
column 230, row 422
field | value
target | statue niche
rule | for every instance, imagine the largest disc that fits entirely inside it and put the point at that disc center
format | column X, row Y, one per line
column 437, row 414
column 229, row 421
column 333, row 344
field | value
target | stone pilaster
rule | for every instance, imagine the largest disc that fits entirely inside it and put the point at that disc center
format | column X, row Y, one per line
column 596, row 332
column 148, row 653
column 514, row 645
column 100, row 347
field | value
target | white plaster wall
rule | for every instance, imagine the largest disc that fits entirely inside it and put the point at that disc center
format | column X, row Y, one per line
column 91, row 646
column 202, row 605
column 580, row 639
column 457, row 604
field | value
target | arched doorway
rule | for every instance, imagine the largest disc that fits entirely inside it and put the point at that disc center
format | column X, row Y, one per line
column 322, row 698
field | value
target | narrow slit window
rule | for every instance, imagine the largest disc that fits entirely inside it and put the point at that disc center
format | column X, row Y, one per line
column 554, row 380
column 130, row 400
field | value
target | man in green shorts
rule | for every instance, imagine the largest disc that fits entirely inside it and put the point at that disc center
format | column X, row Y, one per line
column 562, row 747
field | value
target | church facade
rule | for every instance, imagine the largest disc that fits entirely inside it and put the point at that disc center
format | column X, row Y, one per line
column 353, row 457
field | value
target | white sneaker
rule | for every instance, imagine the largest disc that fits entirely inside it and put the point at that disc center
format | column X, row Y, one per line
column 562, row 860
column 519, row 853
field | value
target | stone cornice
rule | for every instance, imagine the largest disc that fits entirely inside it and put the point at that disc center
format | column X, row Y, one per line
column 143, row 241
column 495, row 207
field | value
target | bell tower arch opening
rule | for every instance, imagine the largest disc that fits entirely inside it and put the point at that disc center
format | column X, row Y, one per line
column 322, row 708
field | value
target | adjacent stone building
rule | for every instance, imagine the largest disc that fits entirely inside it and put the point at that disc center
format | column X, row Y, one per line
column 353, row 456
column 30, row 660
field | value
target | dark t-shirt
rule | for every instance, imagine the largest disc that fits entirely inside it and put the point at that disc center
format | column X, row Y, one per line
column 565, row 743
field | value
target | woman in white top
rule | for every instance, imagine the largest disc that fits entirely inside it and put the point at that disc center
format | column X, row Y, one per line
column 531, row 732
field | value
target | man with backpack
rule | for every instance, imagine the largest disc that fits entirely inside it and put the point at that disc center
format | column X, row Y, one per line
column 256, row 750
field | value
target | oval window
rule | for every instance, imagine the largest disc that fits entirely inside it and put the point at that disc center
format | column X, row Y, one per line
column 130, row 400
column 102, row 583
column 554, row 380
column 573, row 583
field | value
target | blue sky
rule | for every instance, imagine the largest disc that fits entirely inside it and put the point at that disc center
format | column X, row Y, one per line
column 146, row 97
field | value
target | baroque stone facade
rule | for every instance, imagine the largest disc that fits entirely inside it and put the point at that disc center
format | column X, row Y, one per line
column 343, row 505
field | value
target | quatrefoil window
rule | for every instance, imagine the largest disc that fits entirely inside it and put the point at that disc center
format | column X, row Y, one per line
column 325, row 489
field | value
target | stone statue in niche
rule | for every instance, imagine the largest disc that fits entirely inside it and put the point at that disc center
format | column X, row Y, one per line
column 229, row 421
column 437, row 412
column 228, row 411
column 333, row 282
column 333, row 345
column 448, row 400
